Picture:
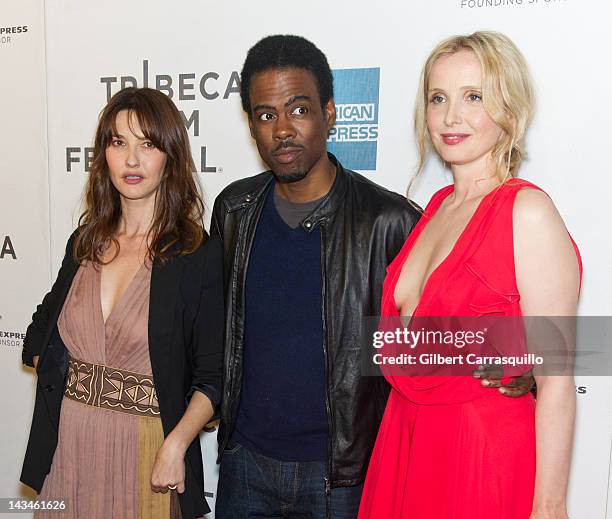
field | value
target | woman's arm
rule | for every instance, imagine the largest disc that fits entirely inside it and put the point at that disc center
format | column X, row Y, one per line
column 35, row 334
column 209, row 326
column 548, row 279
column 169, row 467
column 206, row 357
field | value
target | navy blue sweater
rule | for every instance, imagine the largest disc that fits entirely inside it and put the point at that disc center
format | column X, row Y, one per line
column 282, row 411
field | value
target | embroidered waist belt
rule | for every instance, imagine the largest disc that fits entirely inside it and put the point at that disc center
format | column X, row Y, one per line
column 111, row 388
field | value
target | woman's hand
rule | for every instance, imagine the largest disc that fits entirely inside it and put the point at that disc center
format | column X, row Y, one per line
column 35, row 361
column 169, row 468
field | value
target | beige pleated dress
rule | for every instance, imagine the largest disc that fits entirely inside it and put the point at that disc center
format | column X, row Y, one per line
column 102, row 465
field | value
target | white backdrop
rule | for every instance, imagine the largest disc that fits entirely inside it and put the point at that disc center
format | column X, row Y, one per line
column 25, row 266
column 90, row 46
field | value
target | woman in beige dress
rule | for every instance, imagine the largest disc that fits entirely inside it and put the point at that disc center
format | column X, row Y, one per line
column 127, row 344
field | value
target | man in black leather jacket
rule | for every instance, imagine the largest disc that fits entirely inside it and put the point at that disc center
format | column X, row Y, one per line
column 287, row 95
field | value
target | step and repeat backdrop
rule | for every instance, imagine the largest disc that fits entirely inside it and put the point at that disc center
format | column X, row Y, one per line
column 63, row 59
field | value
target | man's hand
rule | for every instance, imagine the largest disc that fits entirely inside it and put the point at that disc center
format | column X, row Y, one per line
column 492, row 375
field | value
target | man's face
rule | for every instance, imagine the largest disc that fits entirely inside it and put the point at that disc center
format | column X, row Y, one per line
column 287, row 121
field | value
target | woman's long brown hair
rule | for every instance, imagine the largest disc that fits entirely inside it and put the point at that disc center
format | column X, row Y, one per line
column 177, row 221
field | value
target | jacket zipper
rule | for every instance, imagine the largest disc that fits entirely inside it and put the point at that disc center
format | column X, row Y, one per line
column 234, row 305
column 326, row 357
column 242, row 239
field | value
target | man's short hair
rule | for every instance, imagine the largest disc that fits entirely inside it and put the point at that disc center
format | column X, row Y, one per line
column 284, row 51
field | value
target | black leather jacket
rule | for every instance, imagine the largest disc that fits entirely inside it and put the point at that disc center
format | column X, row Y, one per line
column 363, row 227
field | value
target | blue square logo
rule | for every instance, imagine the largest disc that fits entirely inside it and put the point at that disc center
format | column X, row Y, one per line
column 354, row 138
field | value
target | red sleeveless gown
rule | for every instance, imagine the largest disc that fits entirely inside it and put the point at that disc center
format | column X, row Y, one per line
column 449, row 448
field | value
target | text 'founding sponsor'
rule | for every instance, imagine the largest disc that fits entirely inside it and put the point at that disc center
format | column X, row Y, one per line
column 473, row 4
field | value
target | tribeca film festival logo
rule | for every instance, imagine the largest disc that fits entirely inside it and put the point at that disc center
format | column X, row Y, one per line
column 354, row 138
column 209, row 86
column 8, row 35
column 7, row 251
column 472, row 4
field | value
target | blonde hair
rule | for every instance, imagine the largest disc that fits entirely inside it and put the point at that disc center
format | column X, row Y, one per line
column 507, row 96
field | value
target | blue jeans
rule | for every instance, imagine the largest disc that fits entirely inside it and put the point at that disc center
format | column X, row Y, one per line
column 254, row 486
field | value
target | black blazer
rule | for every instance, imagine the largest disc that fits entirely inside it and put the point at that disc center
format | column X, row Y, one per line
column 185, row 345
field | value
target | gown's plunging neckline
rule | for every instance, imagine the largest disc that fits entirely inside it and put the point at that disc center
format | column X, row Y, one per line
column 428, row 214
column 119, row 301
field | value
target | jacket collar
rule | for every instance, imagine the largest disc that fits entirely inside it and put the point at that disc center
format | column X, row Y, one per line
column 324, row 210
column 250, row 197
column 332, row 201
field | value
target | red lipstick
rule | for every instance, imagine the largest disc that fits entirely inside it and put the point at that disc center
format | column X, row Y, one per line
column 454, row 138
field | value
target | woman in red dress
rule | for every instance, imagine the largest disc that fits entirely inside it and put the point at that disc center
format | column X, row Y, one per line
column 489, row 244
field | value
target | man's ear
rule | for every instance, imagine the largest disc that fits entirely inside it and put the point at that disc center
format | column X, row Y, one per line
column 330, row 114
column 251, row 130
